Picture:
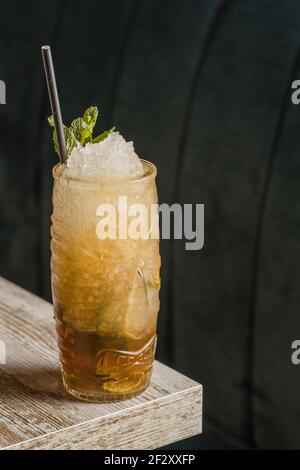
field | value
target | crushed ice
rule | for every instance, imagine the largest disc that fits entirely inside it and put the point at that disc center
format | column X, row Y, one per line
column 111, row 157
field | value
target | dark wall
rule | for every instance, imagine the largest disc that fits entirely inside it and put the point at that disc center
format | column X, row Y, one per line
column 203, row 88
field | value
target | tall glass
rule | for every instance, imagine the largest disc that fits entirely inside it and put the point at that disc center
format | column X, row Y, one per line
column 105, row 291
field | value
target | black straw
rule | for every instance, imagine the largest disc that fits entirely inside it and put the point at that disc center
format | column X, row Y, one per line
column 54, row 102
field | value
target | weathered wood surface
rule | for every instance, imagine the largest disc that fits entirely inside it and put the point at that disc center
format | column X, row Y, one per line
column 37, row 413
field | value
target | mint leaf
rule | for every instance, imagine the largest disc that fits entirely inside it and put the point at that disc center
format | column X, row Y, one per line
column 88, row 123
column 51, row 120
column 86, row 134
column 71, row 140
column 82, row 128
column 69, row 137
column 103, row 136
column 90, row 116
column 75, row 128
column 80, row 131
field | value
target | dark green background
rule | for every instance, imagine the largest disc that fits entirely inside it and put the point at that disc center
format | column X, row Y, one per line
column 203, row 88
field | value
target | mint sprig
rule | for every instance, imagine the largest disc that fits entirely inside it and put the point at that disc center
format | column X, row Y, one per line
column 80, row 131
column 103, row 135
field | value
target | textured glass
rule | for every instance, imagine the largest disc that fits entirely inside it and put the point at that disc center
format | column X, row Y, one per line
column 105, row 292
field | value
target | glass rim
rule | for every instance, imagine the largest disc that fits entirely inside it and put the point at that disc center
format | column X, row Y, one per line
column 149, row 174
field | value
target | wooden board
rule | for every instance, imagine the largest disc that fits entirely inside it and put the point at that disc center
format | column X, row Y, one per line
column 37, row 413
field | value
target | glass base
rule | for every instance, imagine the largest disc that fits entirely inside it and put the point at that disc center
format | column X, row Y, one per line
column 102, row 395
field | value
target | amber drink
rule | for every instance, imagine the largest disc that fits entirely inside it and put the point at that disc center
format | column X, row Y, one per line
column 105, row 290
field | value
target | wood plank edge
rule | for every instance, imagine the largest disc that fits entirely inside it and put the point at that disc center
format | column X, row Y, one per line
column 190, row 397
